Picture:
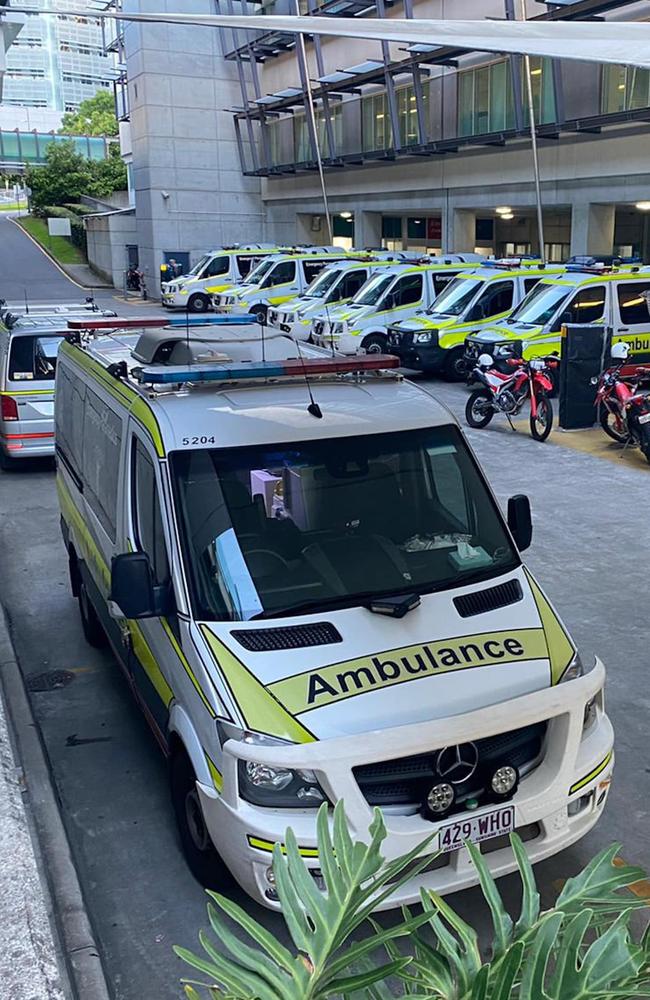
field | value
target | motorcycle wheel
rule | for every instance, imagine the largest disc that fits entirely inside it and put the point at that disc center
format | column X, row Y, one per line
column 479, row 411
column 608, row 422
column 542, row 424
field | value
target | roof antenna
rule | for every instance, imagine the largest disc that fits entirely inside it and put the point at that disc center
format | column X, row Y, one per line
column 26, row 302
column 261, row 319
column 313, row 407
column 187, row 333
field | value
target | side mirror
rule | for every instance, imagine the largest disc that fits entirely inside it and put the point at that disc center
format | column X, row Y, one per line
column 520, row 521
column 132, row 587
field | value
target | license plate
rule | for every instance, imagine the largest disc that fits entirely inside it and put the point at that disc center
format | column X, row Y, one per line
column 477, row 828
column 644, row 418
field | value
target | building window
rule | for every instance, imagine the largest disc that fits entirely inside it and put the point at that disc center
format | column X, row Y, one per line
column 486, row 98
column 625, row 88
column 377, row 131
column 302, row 143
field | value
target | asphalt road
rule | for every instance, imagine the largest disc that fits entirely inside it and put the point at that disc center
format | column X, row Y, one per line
column 591, row 551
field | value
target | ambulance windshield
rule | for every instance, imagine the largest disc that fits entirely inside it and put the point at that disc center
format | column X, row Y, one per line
column 274, row 531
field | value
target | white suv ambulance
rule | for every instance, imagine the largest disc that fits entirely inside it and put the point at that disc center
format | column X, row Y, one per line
column 276, row 280
column 389, row 295
column 315, row 597
column 214, row 272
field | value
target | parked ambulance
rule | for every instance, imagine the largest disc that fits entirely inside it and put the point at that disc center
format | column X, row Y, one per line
column 610, row 298
column 389, row 295
column 276, row 280
column 434, row 341
column 215, row 271
column 318, row 599
column 335, row 285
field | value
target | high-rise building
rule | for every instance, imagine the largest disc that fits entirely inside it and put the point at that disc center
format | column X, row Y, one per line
column 10, row 25
column 56, row 61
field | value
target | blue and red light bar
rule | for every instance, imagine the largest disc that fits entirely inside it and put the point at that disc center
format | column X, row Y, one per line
column 161, row 322
column 291, row 368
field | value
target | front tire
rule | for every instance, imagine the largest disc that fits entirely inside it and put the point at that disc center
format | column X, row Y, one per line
column 542, row 424
column 199, row 851
column 479, row 410
column 613, row 426
column 375, row 344
column 90, row 623
column 455, row 369
column 261, row 314
column 199, row 303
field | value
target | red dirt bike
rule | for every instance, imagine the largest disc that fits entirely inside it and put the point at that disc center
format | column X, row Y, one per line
column 507, row 393
column 624, row 410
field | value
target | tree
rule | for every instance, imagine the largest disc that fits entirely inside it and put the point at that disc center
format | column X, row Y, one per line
column 96, row 116
column 67, row 175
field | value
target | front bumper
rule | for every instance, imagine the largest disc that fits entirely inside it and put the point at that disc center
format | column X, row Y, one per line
column 174, row 300
column 575, row 772
column 342, row 343
column 420, row 357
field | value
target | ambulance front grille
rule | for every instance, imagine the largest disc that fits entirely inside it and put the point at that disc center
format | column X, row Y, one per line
column 488, row 600
column 261, row 640
column 406, row 780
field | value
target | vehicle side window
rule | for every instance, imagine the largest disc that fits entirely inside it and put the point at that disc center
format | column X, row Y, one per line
column 440, row 281
column 285, row 271
column 496, row 299
column 244, row 264
column 219, row 265
column 530, row 283
column 352, row 283
column 632, row 302
column 70, row 419
column 102, row 429
column 312, row 268
column 587, row 306
column 147, row 519
column 407, row 290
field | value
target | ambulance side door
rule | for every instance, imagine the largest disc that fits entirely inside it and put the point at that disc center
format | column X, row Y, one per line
column 632, row 317
column 153, row 664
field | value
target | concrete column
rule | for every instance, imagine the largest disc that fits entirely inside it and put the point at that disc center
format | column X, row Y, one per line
column 592, row 228
column 367, row 229
column 458, row 230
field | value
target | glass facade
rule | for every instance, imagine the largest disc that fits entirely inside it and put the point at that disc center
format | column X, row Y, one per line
column 30, row 147
column 376, row 127
column 57, row 61
column 486, row 97
column 625, row 88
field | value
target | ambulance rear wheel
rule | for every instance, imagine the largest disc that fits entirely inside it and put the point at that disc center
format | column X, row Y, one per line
column 200, row 853
column 198, row 304
column 90, row 623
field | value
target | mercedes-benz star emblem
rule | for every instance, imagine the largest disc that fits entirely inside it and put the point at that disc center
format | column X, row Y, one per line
column 457, row 764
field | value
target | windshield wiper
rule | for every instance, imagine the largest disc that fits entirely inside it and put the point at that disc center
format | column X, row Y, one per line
column 336, row 601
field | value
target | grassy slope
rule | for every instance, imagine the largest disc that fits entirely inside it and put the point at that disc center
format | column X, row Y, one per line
column 59, row 246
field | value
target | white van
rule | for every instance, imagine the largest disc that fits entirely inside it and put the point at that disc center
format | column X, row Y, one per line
column 318, row 598
column 336, row 284
column 276, row 280
column 391, row 294
column 214, row 272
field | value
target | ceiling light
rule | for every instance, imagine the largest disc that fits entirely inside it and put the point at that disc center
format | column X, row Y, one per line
column 643, row 206
column 535, row 72
column 346, row 215
column 621, row 86
column 504, row 210
column 507, row 216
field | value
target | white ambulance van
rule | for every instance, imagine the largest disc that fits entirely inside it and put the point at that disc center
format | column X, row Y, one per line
column 214, row 272
column 314, row 595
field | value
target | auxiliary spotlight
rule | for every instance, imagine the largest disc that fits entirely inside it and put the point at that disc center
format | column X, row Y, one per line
column 503, row 782
column 439, row 801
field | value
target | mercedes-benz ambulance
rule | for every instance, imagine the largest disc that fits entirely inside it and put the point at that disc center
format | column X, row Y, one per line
column 434, row 341
column 214, row 272
column 315, row 597
column 389, row 295
column 276, row 280
column 336, row 284
column 610, row 298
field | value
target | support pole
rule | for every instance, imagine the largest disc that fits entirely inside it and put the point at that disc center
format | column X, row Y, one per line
column 533, row 140
column 313, row 126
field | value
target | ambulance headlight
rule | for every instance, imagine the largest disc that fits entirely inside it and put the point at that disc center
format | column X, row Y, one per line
column 508, row 350
column 271, row 785
column 338, row 328
column 426, row 337
column 504, row 781
column 574, row 670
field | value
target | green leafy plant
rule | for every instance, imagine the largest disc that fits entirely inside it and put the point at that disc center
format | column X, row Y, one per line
column 582, row 949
